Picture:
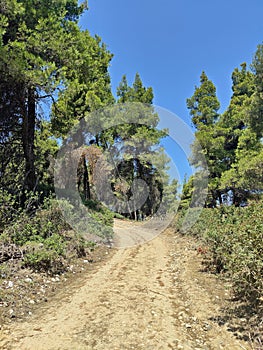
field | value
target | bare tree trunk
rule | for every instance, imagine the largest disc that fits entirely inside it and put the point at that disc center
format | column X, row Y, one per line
column 86, row 184
column 28, row 140
column 83, row 177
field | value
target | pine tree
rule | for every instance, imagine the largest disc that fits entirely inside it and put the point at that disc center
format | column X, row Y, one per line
column 35, row 38
column 243, row 138
column 138, row 145
column 203, row 106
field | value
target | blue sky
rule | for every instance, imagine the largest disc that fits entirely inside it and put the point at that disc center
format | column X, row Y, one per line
column 170, row 42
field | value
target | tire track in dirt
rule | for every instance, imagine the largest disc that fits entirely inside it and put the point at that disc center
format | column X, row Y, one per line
column 145, row 297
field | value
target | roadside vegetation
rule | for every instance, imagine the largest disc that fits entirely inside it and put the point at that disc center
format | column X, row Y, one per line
column 230, row 227
column 231, row 243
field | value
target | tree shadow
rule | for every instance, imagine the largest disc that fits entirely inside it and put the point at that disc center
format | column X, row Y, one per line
column 244, row 320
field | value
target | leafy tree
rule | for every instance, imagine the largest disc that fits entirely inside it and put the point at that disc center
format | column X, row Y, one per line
column 235, row 119
column 139, row 146
column 230, row 142
column 35, row 41
column 256, row 111
column 136, row 93
column 187, row 193
column 203, row 106
column 243, row 145
column 87, row 84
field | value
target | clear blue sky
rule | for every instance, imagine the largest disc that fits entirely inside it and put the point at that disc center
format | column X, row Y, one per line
column 170, row 42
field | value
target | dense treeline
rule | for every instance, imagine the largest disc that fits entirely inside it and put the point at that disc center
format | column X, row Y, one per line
column 53, row 77
column 232, row 141
column 47, row 60
column 229, row 229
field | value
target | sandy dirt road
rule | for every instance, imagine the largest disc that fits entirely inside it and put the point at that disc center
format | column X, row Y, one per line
column 151, row 296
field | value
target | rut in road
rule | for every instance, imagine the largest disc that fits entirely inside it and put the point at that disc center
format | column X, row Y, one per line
column 145, row 297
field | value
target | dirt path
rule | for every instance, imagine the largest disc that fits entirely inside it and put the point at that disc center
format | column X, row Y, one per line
column 151, row 296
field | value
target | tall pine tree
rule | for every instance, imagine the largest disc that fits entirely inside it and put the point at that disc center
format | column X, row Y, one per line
column 204, row 106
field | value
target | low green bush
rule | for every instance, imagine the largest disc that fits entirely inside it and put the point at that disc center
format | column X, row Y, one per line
column 47, row 240
column 233, row 237
column 43, row 257
column 8, row 209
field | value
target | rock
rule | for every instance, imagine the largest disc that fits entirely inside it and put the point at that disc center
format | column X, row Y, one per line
column 10, row 284
column 12, row 313
column 207, row 327
column 28, row 280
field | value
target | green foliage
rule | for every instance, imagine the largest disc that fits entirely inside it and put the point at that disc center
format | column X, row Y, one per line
column 204, row 104
column 101, row 219
column 8, row 209
column 47, row 256
column 47, row 241
column 170, row 199
column 44, row 58
column 46, row 148
column 232, row 238
column 187, row 193
column 136, row 93
column 46, row 222
column 242, row 147
column 231, row 142
column 92, row 224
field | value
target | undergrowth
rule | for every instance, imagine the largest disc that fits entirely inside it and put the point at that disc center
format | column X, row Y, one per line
column 232, row 242
column 41, row 234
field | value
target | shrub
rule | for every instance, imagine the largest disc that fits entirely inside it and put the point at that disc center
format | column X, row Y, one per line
column 40, row 257
column 46, row 238
column 8, row 209
column 234, row 237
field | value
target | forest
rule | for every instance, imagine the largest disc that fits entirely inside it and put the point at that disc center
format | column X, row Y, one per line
column 65, row 136
column 54, row 77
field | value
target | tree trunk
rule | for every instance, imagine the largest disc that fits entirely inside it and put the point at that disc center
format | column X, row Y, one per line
column 86, row 184
column 219, row 196
column 28, row 140
column 83, row 178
